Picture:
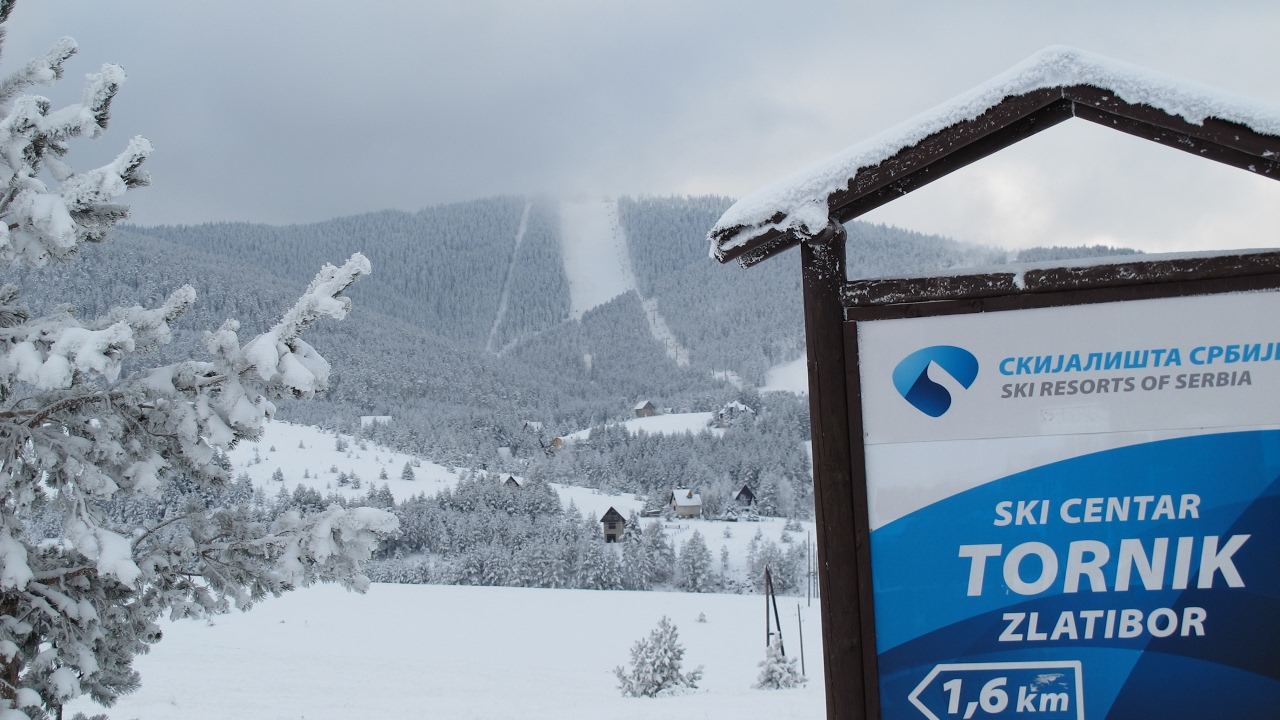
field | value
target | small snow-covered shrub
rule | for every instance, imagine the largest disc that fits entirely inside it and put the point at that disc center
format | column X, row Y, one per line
column 656, row 665
column 777, row 671
column 407, row 473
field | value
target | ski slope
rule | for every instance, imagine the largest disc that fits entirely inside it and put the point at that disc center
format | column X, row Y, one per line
column 433, row 651
column 598, row 265
column 596, row 259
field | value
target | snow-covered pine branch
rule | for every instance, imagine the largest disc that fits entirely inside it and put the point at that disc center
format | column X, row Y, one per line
column 81, row 437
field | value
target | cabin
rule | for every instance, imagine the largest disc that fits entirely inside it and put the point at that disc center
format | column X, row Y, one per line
column 646, row 408
column 731, row 413
column 745, row 497
column 685, row 503
column 614, row 526
column 511, row 481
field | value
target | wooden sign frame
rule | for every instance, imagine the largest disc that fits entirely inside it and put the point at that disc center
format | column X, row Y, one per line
column 834, row 308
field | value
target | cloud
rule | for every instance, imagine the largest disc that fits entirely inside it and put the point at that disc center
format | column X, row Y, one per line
column 284, row 112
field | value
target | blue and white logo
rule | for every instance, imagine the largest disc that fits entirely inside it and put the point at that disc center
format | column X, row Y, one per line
column 911, row 377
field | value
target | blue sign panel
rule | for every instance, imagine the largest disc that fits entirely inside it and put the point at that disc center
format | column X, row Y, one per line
column 1059, row 554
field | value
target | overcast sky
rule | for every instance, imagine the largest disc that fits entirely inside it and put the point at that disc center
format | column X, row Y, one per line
column 286, row 112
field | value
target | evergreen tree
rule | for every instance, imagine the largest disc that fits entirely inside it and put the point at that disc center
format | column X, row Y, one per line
column 407, row 473
column 278, row 475
column 656, row 665
column 695, row 565
column 97, row 436
column 600, row 568
column 659, row 556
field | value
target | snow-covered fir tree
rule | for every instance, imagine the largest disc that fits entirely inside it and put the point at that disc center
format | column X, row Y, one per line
column 694, row 566
column 660, row 557
column 80, row 438
column 777, row 671
column 407, row 473
column 656, row 665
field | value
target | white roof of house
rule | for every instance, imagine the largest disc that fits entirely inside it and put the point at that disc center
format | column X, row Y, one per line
column 684, row 497
column 643, row 403
column 802, row 195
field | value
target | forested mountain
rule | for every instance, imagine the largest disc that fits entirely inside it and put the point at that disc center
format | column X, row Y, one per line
column 442, row 269
column 431, row 343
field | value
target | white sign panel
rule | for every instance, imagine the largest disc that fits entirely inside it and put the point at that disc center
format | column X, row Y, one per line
column 1092, row 487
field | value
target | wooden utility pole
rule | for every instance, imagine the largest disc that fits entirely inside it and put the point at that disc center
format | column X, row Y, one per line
column 800, row 631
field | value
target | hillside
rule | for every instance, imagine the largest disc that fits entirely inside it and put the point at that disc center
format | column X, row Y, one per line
column 482, row 315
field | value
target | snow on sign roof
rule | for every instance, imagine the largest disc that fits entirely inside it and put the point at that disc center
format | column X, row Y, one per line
column 1051, row 86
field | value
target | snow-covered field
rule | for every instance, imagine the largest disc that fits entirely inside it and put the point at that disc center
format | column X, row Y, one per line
column 669, row 424
column 419, row 651
column 318, row 455
column 461, row 651
column 792, row 377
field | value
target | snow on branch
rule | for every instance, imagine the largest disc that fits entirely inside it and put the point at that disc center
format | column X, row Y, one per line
column 44, row 70
column 279, row 357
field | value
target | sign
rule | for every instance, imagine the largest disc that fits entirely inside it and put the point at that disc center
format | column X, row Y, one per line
column 1075, row 510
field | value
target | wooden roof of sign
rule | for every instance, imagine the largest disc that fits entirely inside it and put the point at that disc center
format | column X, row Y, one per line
column 1052, row 86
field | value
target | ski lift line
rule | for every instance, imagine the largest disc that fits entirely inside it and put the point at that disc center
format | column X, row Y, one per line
column 506, row 284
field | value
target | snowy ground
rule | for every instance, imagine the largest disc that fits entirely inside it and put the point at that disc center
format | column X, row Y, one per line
column 596, row 259
column 669, row 424
column 414, row 651
column 318, row 456
column 792, row 377
column 589, row 500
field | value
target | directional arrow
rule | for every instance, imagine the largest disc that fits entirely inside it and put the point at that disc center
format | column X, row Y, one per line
column 1052, row 690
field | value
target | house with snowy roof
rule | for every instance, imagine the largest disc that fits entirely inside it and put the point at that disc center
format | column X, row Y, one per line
column 511, row 481
column 645, row 408
column 745, row 497
column 731, row 413
column 615, row 526
column 685, row 503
